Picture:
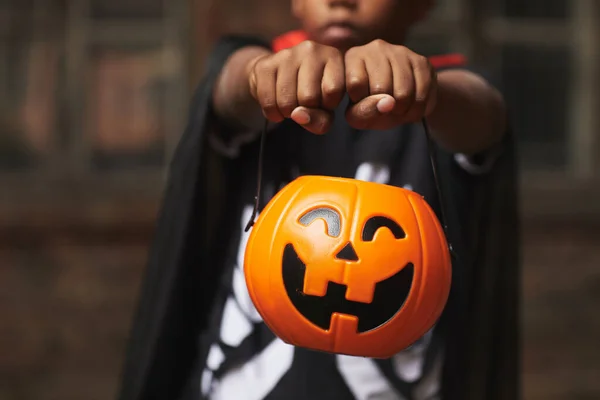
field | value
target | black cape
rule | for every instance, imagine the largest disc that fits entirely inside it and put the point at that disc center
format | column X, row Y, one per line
column 178, row 289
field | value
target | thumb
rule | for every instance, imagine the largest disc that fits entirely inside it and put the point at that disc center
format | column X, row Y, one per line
column 363, row 114
column 314, row 120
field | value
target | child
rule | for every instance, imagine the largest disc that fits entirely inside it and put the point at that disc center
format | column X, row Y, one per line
column 344, row 98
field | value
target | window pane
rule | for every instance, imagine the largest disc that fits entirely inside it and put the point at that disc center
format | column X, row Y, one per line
column 30, row 73
column 535, row 82
column 430, row 46
column 16, row 150
column 132, row 9
column 558, row 9
column 125, row 117
column 445, row 8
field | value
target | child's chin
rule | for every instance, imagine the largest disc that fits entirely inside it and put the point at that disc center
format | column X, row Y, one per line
column 339, row 37
column 340, row 44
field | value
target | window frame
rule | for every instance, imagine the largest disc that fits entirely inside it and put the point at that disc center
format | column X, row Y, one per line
column 65, row 192
column 81, row 33
column 573, row 192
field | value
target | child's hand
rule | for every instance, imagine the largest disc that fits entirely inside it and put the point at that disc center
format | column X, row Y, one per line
column 389, row 85
column 305, row 83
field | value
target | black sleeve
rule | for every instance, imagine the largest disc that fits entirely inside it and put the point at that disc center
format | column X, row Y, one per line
column 179, row 282
column 221, row 137
column 484, row 162
column 483, row 319
column 483, row 358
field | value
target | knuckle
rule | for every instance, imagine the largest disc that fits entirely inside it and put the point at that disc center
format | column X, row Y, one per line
column 334, row 54
column 402, row 94
column 378, row 43
column 287, row 104
column 268, row 104
column 354, row 82
column 420, row 99
column 308, row 46
column 333, row 86
column 351, row 53
column 379, row 88
column 309, row 98
column 285, row 55
column 331, row 89
column 421, row 62
column 264, row 66
column 422, row 94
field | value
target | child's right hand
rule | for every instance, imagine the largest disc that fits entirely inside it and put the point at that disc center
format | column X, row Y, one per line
column 305, row 83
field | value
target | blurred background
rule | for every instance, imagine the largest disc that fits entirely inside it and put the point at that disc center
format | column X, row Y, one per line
column 93, row 98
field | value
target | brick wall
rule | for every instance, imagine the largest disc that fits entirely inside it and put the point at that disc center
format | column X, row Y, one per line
column 561, row 288
column 66, row 307
column 66, row 302
column 66, row 295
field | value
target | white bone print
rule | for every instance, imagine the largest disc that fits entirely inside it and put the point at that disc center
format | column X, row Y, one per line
column 259, row 376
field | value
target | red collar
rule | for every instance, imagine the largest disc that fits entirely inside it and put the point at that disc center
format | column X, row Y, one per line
column 290, row 39
column 287, row 40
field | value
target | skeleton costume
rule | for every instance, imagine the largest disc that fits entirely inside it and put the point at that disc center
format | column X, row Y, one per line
column 197, row 335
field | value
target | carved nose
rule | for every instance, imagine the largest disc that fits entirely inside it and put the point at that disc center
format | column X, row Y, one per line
column 347, row 253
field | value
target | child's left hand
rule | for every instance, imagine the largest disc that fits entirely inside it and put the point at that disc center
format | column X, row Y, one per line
column 389, row 85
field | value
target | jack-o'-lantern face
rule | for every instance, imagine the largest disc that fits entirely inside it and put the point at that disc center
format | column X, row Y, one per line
column 349, row 267
column 373, row 296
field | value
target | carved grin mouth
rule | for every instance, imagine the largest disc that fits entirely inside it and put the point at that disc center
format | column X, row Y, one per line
column 388, row 298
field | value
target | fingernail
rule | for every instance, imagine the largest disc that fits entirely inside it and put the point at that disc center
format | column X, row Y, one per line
column 301, row 117
column 385, row 105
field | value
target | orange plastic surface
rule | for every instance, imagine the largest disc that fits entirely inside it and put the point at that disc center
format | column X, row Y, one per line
column 423, row 246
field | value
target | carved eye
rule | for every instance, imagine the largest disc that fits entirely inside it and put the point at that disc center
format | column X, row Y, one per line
column 374, row 223
column 332, row 219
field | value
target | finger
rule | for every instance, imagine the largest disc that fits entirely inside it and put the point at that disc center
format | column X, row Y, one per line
column 252, row 75
column 368, row 113
column 422, row 73
column 266, row 93
column 432, row 97
column 253, row 84
column 310, row 77
column 357, row 79
column 381, row 78
column 333, row 85
column 404, row 84
column 286, row 87
column 314, row 120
